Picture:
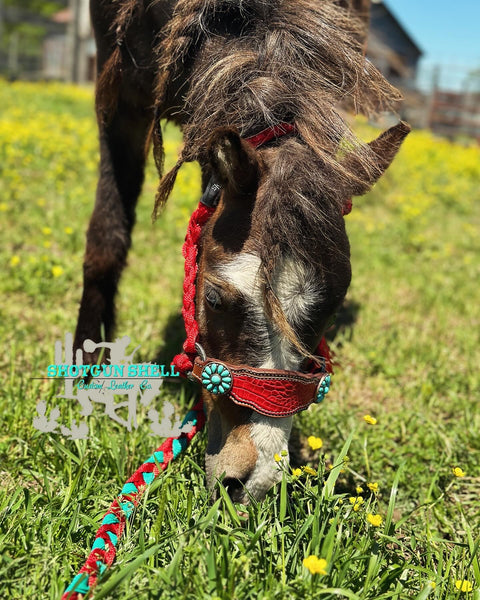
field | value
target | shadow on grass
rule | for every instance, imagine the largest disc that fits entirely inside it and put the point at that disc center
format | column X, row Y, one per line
column 173, row 337
column 345, row 322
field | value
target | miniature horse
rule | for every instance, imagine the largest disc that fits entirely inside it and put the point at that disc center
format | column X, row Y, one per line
column 274, row 258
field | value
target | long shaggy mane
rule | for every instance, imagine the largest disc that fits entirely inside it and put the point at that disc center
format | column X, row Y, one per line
column 253, row 63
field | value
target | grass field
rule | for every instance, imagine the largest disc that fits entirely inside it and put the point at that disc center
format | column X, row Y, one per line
column 407, row 347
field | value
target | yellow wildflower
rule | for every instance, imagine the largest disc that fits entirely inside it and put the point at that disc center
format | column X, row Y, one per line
column 309, row 470
column 46, row 231
column 356, row 502
column 375, row 520
column 463, row 585
column 277, row 457
column 68, row 230
column 296, row 472
column 432, row 584
column 316, row 566
column 57, row 271
column 47, row 244
column 3, row 206
column 373, row 487
column 284, row 453
column 41, row 202
column 315, row 443
column 458, row 472
column 370, row 420
column 359, row 489
column 14, row 261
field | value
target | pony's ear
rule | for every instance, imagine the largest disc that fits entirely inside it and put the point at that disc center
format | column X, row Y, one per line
column 233, row 161
column 382, row 152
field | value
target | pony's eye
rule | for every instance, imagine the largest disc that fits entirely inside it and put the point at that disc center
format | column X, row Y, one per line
column 213, row 298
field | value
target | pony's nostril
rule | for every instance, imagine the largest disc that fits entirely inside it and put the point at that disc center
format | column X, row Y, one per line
column 235, row 487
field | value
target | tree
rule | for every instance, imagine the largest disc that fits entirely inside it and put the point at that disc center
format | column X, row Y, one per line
column 23, row 25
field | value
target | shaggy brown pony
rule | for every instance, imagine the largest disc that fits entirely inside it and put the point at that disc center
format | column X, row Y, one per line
column 274, row 265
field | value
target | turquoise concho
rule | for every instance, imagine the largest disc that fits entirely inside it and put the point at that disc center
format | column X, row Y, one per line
column 323, row 389
column 216, row 378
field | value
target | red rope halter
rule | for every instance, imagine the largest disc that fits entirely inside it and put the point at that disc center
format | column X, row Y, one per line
column 285, row 392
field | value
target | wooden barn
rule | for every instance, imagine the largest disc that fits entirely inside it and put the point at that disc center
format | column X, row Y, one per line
column 391, row 48
column 396, row 54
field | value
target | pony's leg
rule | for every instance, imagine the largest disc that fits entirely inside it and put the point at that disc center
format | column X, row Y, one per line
column 125, row 66
column 123, row 143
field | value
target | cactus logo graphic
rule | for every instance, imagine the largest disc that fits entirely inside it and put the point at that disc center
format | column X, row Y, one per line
column 119, row 386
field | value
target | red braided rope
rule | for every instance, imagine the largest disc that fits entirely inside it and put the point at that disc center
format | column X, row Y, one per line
column 113, row 524
column 184, row 362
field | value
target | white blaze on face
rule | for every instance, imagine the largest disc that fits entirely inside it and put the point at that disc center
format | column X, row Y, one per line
column 298, row 292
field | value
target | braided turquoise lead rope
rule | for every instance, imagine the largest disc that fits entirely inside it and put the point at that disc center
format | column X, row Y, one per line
column 104, row 547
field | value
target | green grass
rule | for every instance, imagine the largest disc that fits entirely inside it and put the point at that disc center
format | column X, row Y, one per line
column 407, row 347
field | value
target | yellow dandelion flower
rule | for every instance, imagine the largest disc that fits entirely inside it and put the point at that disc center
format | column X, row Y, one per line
column 46, row 231
column 316, row 566
column 370, row 420
column 375, row 520
column 309, row 471
column 277, row 458
column 458, row 472
column 359, row 489
column 57, row 271
column 68, row 230
column 373, row 487
column 315, row 443
column 463, row 585
column 14, row 261
column 296, row 472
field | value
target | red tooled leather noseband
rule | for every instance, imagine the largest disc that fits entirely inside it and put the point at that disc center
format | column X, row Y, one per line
column 270, row 392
